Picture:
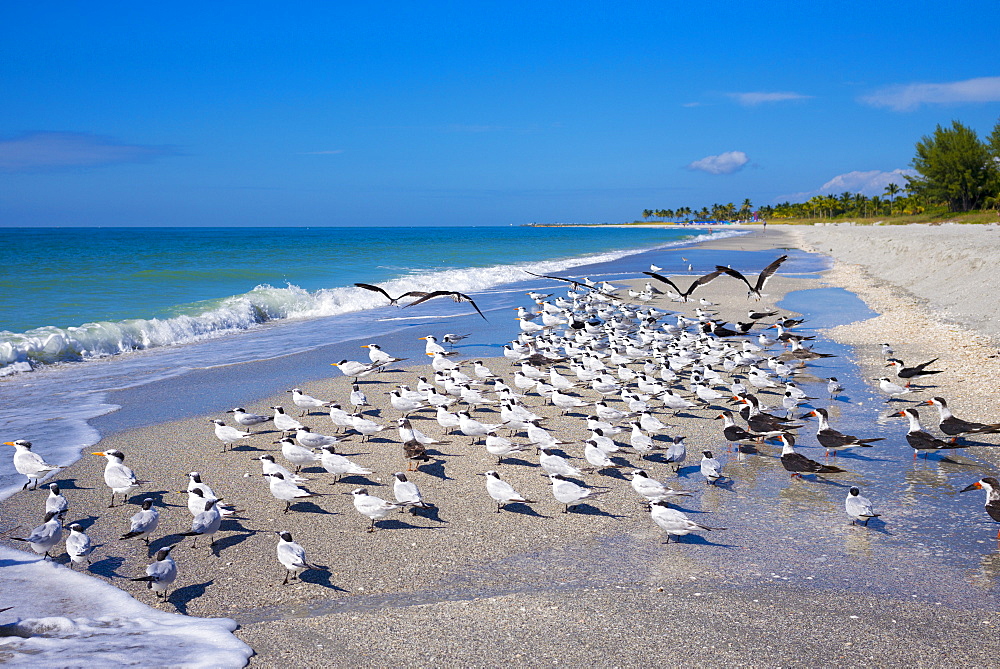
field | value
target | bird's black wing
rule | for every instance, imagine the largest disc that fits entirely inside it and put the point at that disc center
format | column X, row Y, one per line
column 701, row 281
column 368, row 286
column 660, row 277
column 766, row 273
column 733, row 273
column 576, row 284
column 458, row 297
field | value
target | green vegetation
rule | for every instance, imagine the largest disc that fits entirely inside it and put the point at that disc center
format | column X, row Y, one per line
column 957, row 178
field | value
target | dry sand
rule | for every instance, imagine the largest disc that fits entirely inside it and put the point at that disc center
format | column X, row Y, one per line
column 463, row 585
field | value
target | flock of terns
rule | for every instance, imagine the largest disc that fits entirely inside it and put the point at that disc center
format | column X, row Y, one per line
column 618, row 364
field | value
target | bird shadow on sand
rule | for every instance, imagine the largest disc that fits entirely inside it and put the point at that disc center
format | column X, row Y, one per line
column 507, row 460
column 356, row 479
column 86, row 522
column 725, row 484
column 697, row 540
column 321, row 576
column 613, row 472
column 244, row 448
column 183, row 596
column 237, row 535
column 589, row 510
column 164, row 541
column 158, row 498
column 428, row 512
column 523, row 509
column 397, row 524
column 107, row 567
column 70, row 484
column 435, row 469
column 310, row 507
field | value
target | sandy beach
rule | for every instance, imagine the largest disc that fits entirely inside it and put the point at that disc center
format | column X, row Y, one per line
column 788, row 582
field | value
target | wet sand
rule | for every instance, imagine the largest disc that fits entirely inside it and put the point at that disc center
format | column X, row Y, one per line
column 788, row 582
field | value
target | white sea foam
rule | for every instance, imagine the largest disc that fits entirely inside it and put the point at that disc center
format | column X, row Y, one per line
column 44, row 345
column 76, row 620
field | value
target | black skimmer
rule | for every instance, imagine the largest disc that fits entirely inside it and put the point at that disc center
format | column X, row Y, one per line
column 454, row 295
column 392, row 300
column 757, row 315
column 685, row 294
column 831, row 439
column 921, row 440
column 992, row 488
column 801, row 352
column 760, row 421
column 762, row 278
column 954, row 427
column 798, row 464
column 735, row 434
column 910, row 373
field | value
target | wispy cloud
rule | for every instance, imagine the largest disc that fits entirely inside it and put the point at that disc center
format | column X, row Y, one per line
column 907, row 97
column 760, row 98
column 724, row 163
column 872, row 182
column 42, row 151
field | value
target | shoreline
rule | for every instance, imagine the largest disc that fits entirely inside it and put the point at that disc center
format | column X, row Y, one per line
column 605, row 566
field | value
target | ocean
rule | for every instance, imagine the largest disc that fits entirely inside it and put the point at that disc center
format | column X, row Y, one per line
column 86, row 314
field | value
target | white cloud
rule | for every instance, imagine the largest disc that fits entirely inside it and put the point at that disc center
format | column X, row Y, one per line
column 906, row 97
column 759, row 98
column 872, row 182
column 59, row 150
column 724, row 163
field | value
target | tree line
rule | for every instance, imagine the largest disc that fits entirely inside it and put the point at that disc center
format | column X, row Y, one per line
column 955, row 170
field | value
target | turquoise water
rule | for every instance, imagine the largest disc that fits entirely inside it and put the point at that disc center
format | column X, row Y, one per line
column 87, row 293
column 66, row 278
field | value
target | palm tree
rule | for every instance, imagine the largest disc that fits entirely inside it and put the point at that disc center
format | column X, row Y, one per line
column 891, row 191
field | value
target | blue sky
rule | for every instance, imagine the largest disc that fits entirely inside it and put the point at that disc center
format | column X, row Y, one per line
column 450, row 113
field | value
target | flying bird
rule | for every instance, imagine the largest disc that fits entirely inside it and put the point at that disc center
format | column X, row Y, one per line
column 454, row 295
column 762, row 278
column 685, row 294
column 392, row 300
